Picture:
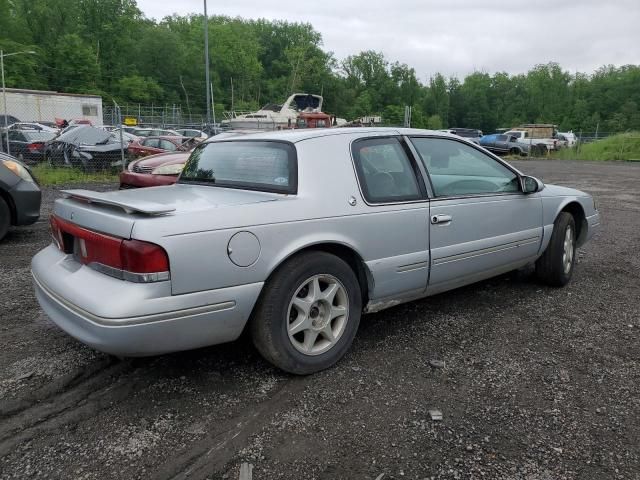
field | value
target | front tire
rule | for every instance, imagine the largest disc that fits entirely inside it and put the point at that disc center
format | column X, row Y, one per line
column 555, row 266
column 308, row 313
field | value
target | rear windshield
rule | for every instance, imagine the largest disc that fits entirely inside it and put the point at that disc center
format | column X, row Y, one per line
column 251, row 165
column 37, row 135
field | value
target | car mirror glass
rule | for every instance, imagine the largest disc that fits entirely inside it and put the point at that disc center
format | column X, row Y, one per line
column 531, row 184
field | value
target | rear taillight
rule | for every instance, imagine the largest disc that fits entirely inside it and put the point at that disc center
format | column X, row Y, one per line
column 131, row 260
column 35, row 147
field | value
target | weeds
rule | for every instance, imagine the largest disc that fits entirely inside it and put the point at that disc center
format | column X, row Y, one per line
column 47, row 175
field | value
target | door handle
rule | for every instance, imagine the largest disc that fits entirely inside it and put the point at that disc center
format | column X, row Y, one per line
column 441, row 219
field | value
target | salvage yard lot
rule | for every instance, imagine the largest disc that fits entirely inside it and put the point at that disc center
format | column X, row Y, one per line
column 538, row 383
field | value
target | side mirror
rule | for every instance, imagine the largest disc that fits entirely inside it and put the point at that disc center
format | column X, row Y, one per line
column 530, row 184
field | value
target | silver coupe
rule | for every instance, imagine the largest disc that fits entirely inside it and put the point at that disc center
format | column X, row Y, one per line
column 293, row 235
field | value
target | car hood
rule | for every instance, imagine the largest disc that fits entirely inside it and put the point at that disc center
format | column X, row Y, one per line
column 164, row 159
column 558, row 191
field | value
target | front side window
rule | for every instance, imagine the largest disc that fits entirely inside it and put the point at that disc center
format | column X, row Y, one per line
column 458, row 169
column 385, row 171
column 167, row 145
column 251, row 165
column 150, row 142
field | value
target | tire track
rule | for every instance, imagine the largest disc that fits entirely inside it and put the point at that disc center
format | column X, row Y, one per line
column 71, row 405
column 54, row 387
column 211, row 454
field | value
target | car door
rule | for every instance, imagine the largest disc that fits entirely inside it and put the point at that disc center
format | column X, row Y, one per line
column 481, row 224
column 396, row 223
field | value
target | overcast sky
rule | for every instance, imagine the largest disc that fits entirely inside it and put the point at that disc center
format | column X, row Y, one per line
column 454, row 37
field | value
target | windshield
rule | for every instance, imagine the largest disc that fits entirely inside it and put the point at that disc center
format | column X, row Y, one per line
column 251, row 165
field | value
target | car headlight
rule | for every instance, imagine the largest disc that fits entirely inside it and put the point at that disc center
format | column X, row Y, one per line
column 171, row 169
column 19, row 170
column 131, row 165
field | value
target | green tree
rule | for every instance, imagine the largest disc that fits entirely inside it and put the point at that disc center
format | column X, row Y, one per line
column 76, row 66
column 137, row 89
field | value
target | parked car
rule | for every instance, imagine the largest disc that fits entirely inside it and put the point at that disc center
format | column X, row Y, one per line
column 85, row 147
column 567, row 139
column 27, row 145
column 535, row 145
column 19, row 194
column 154, row 145
column 33, row 126
column 471, row 134
column 126, row 136
column 6, row 120
column 193, row 133
column 154, row 132
column 503, row 144
column 294, row 235
column 160, row 169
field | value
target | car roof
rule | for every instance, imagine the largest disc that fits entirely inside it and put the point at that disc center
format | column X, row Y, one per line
column 298, row 135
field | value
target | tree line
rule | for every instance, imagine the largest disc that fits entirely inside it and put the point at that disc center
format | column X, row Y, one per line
column 108, row 47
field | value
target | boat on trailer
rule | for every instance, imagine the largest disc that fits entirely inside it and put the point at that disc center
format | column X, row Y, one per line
column 277, row 117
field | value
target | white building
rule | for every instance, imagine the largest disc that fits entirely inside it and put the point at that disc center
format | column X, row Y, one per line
column 46, row 106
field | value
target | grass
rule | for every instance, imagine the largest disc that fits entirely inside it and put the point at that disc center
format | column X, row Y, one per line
column 47, row 175
column 624, row 146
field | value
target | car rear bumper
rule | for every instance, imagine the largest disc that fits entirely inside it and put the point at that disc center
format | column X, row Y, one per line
column 26, row 197
column 128, row 319
column 137, row 180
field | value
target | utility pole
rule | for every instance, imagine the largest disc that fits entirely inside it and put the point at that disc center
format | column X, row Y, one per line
column 206, row 61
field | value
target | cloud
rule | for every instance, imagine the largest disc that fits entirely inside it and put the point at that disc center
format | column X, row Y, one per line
column 454, row 37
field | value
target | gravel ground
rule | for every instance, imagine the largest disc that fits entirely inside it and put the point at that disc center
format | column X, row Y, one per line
column 536, row 383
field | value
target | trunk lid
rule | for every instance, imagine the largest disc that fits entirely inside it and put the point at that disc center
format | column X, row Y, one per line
column 116, row 212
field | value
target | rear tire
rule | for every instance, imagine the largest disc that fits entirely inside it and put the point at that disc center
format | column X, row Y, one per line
column 308, row 313
column 5, row 218
column 555, row 266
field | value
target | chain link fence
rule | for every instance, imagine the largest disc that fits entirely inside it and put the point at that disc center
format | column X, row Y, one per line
column 89, row 139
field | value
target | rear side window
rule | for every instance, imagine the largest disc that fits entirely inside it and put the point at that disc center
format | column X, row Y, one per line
column 385, row 171
column 251, row 165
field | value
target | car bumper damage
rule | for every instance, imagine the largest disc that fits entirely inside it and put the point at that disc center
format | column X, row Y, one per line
column 130, row 320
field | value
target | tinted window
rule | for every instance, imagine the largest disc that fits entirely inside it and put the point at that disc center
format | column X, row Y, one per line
column 37, row 136
column 268, row 166
column 458, row 169
column 385, row 171
column 150, row 142
column 15, row 136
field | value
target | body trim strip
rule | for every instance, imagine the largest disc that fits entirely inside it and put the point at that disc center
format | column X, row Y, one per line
column 128, row 321
column 485, row 251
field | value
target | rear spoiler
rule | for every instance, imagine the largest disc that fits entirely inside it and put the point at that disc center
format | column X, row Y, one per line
column 107, row 198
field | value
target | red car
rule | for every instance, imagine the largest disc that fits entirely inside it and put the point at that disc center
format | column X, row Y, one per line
column 162, row 169
column 152, row 145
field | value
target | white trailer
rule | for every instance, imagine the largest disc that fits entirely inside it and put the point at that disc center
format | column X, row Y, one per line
column 46, row 106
